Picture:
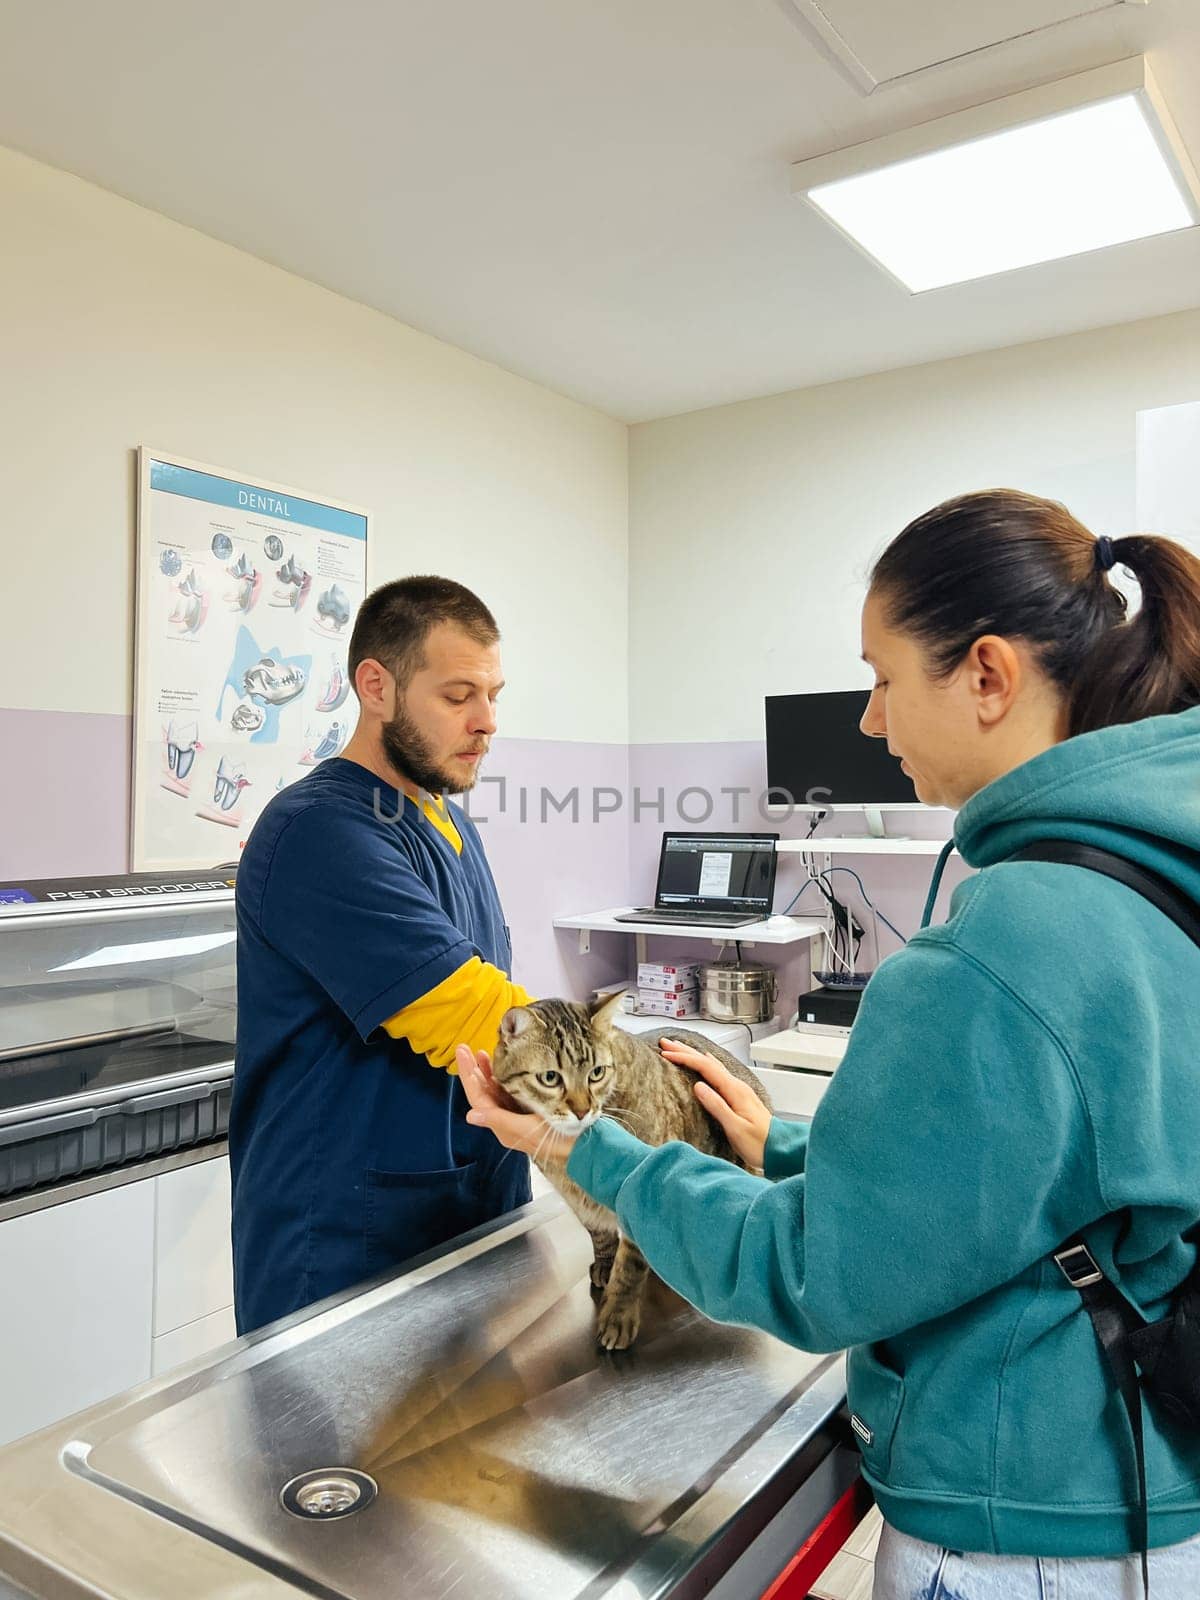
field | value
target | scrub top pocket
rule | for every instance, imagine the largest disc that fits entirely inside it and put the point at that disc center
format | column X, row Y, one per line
column 407, row 1213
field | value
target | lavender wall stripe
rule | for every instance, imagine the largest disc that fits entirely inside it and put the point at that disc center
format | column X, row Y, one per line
column 69, row 815
column 734, row 774
column 64, row 801
column 568, row 827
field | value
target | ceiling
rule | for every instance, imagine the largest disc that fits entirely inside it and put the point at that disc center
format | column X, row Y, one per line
column 593, row 193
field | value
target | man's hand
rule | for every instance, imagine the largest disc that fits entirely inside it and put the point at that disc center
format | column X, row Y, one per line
column 492, row 1108
column 729, row 1101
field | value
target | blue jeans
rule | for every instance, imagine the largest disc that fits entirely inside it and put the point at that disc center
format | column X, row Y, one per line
column 909, row 1569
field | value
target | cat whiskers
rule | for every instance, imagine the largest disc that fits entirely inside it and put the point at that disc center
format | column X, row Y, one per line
column 623, row 1122
column 548, row 1133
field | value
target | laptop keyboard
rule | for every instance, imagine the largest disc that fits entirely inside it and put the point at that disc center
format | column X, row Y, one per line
column 710, row 919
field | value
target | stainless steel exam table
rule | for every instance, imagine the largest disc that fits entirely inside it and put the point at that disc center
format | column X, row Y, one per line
column 451, row 1431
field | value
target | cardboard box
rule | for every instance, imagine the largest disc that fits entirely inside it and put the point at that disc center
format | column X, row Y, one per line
column 687, row 991
column 663, row 975
column 651, row 1003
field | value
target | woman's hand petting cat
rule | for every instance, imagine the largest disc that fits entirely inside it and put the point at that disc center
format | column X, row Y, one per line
column 729, row 1101
column 492, row 1108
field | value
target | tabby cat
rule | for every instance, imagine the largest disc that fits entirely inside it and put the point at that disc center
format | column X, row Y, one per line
column 569, row 1064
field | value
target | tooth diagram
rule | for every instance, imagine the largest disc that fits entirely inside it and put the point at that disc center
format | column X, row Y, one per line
column 228, row 784
column 337, row 687
column 191, row 608
column 244, row 595
column 261, row 670
column 272, row 685
column 294, row 585
column 247, row 719
column 180, row 742
column 327, row 745
column 333, row 609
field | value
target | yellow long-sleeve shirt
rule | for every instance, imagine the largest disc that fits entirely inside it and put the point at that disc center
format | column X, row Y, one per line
column 464, row 1008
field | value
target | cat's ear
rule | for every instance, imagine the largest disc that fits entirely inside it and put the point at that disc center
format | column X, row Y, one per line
column 515, row 1021
column 602, row 1012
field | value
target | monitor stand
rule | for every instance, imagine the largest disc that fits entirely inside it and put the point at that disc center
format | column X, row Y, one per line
column 875, row 827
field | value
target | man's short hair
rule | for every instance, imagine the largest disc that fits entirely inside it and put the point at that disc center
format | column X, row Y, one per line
column 394, row 621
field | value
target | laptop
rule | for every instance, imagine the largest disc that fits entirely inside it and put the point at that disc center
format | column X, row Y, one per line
column 721, row 880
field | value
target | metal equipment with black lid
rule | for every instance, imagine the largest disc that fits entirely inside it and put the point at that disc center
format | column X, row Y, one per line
column 118, row 1010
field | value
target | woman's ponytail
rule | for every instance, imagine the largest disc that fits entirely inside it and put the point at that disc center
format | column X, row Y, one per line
column 1013, row 564
column 1149, row 664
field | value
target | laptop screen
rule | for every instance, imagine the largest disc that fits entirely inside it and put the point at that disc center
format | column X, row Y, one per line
column 717, row 871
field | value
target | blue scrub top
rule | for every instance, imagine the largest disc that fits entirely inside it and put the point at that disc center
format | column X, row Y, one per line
column 349, row 1152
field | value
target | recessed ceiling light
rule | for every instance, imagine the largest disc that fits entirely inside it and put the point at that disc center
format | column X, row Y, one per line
column 1074, row 166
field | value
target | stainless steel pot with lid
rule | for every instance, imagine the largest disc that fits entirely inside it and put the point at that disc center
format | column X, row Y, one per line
column 733, row 993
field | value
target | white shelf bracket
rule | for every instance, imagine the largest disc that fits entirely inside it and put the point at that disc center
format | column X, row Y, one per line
column 585, row 941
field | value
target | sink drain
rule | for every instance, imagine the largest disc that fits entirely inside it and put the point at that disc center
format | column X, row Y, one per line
column 327, row 1493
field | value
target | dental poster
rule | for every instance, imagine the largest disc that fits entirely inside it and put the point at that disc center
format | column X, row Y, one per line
column 247, row 594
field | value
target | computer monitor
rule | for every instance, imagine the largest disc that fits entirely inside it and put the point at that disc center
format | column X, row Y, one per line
column 819, row 759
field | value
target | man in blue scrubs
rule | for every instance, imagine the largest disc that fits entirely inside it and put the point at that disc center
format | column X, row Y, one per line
column 370, row 942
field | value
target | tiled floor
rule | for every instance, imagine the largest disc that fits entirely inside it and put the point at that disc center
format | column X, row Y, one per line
column 850, row 1574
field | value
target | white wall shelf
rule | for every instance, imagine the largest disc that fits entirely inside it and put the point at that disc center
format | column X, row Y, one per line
column 771, row 930
column 860, row 845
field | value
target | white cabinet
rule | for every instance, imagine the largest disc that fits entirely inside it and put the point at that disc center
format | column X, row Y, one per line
column 192, row 1340
column 76, row 1298
column 193, row 1262
column 100, row 1293
column 795, row 1094
column 796, row 1067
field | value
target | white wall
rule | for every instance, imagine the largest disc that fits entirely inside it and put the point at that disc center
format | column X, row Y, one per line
column 119, row 327
column 651, row 587
column 752, row 526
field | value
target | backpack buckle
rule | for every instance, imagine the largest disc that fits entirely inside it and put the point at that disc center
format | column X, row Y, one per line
column 1078, row 1266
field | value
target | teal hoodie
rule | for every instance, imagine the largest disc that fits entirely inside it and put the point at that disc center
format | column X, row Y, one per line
column 1026, row 1069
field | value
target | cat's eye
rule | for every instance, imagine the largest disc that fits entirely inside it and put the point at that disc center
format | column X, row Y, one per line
column 597, row 1073
column 550, row 1079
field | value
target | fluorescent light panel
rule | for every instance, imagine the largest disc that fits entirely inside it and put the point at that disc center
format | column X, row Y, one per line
column 1060, row 185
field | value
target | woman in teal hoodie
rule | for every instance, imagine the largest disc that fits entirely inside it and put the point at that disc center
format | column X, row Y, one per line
column 1024, row 1070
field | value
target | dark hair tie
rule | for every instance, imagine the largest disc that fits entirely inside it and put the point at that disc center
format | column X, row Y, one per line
column 1106, row 556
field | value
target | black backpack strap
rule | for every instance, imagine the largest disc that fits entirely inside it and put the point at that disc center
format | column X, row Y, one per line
column 1113, row 1320
column 1168, row 1354
column 1121, row 1330
column 1181, row 908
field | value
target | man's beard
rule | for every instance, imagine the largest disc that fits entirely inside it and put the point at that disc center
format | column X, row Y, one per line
column 407, row 748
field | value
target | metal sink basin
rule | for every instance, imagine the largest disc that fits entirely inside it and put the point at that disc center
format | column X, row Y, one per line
column 449, row 1432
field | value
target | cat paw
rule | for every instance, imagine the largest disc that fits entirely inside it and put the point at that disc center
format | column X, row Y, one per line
column 617, row 1326
column 599, row 1273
